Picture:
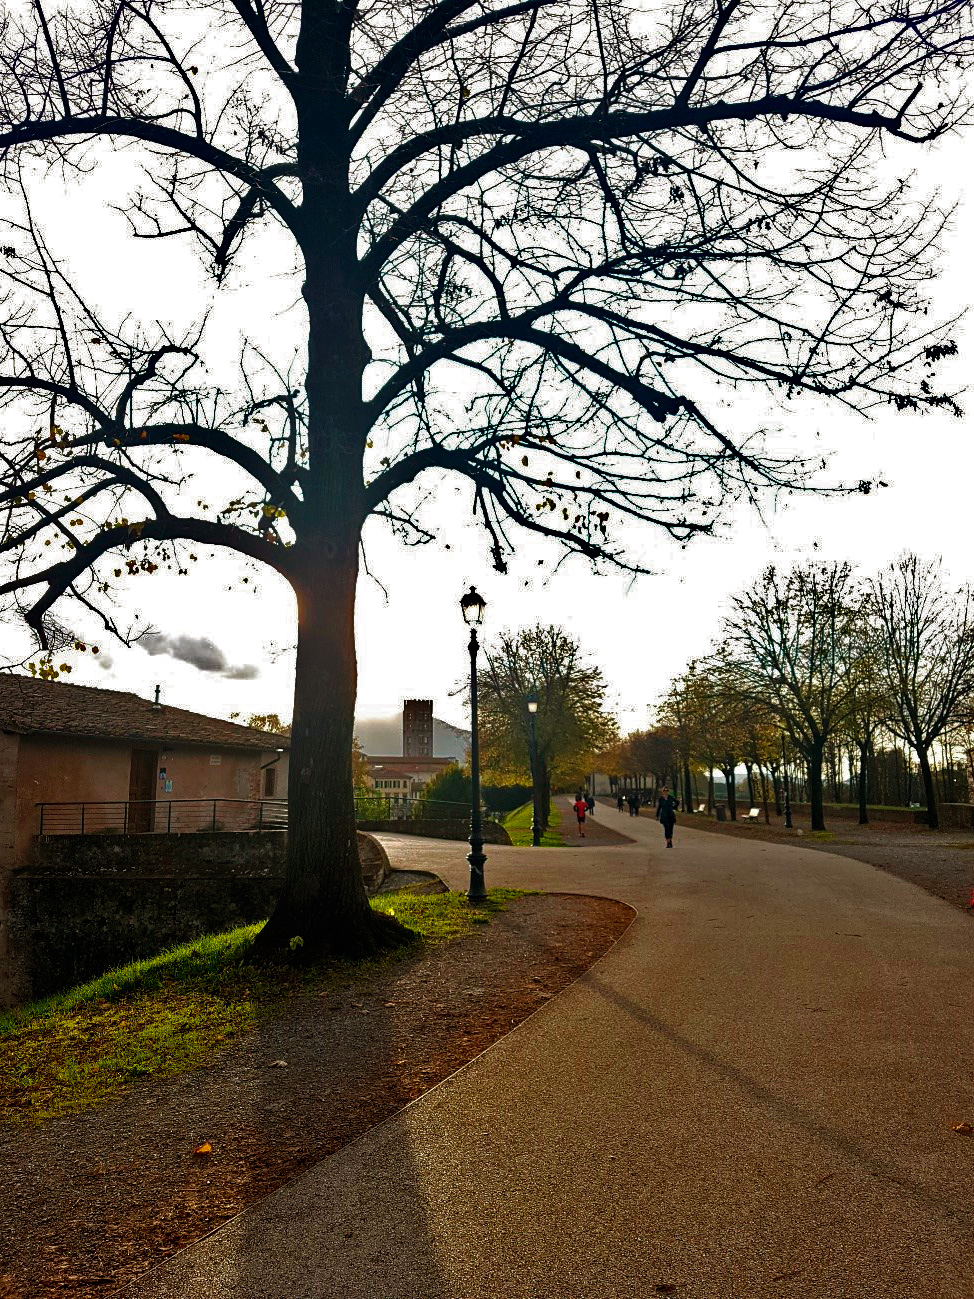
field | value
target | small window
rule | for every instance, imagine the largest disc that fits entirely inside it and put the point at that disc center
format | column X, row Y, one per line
column 216, row 759
column 270, row 782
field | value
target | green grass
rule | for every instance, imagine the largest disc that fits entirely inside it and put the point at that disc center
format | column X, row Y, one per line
column 157, row 1018
column 518, row 826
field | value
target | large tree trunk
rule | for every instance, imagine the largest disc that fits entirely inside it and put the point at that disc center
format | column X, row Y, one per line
column 776, row 787
column 323, row 902
column 926, row 775
column 815, row 785
column 863, row 782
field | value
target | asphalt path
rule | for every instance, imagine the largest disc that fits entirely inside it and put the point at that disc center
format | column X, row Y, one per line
column 752, row 1094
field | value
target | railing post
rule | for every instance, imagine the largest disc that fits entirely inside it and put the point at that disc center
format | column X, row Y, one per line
column 41, row 830
column 82, row 818
column 169, row 817
column 213, row 827
column 260, row 815
column 125, row 818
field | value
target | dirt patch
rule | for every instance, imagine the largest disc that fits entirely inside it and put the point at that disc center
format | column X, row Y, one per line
column 938, row 861
column 92, row 1202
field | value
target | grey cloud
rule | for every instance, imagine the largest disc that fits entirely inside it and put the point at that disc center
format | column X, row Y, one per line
column 244, row 672
column 199, row 652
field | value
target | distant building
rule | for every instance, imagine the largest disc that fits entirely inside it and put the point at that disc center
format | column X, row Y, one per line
column 404, row 777
column 429, row 746
column 417, row 728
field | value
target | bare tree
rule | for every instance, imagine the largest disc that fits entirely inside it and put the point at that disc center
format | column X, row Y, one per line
column 540, row 245
column 925, row 656
column 792, row 644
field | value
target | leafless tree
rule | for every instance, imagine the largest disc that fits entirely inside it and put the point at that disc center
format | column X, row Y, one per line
column 925, row 656
column 792, row 646
column 541, row 245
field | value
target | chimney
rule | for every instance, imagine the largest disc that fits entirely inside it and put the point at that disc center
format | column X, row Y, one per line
column 155, row 702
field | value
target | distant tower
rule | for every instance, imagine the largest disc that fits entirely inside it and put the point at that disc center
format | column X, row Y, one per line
column 417, row 728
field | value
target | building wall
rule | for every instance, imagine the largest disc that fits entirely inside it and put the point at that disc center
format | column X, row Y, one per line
column 56, row 769
column 417, row 728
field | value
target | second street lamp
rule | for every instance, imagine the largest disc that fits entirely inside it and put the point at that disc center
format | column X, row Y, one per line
column 472, row 605
column 536, row 826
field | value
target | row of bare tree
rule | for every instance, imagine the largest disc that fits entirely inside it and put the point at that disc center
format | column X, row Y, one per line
column 836, row 665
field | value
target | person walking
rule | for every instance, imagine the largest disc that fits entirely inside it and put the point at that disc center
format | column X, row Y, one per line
column 666, row 813
column 633, row 804
column 620, row 801
column 590, row 804
column 580, row 810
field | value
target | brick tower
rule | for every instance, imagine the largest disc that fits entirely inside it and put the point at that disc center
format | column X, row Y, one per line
column 417, row 728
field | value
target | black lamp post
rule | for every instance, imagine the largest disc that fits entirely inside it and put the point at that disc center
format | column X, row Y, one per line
column 536, row 826
column 784, row 765
column 472, row 606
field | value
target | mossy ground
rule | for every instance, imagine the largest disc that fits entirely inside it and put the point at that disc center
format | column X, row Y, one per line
column 160, row 1017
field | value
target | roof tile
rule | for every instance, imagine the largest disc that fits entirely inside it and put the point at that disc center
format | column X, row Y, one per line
column 54, row 707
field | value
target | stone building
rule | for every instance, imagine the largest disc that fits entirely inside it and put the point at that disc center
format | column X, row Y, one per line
column 417, row 728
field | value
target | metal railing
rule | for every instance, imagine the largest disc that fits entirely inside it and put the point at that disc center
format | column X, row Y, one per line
column 195, row 815
column 162, row 816
column 374, row 806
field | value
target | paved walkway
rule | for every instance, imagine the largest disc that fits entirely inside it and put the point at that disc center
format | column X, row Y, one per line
column 751, row 1095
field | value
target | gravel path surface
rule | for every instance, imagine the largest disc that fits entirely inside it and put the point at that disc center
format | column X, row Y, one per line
column 94, row 1200
column 941, row 861
column 754, row 1094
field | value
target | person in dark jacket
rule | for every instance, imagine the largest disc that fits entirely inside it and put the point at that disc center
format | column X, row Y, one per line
column 621, row 802
column 633, row 801
column 666, row 814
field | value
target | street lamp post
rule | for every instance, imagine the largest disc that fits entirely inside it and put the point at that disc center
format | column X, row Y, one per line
column 472, row 606
column 784, row 766
column 536, row 826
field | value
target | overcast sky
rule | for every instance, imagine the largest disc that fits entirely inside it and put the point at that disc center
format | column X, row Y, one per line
column 225, row 650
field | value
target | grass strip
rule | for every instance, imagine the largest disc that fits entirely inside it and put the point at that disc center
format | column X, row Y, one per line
column 153, row 1019
column 518, row 826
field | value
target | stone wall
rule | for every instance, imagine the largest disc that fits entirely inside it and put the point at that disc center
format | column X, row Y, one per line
column 494, row 832
column 91, row 902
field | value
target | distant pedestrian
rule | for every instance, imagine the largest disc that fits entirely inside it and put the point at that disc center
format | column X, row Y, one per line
column 621, row 801
column 580, row 810
column 666, row 814
column 590, row 804
column 633, row 801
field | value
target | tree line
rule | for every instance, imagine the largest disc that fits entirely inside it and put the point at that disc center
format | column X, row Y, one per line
column 833, row 672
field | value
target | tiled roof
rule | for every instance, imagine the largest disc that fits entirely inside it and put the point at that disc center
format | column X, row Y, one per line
column 53, row 707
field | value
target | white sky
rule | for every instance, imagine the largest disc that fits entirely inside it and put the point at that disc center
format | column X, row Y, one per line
column 411, row 638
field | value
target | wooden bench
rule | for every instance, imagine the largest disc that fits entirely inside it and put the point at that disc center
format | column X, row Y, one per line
column 753, row 815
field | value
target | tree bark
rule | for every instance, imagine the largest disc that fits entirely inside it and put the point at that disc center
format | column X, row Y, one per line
column 926, row 775
column 816, row 789
column 323, row 901
column 776, row 787
column 863, row 782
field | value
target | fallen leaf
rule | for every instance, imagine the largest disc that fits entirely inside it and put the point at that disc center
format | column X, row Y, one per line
column 964, row 1127
column 204, row 1149
column 278, row 1064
